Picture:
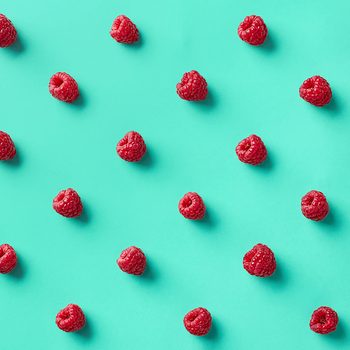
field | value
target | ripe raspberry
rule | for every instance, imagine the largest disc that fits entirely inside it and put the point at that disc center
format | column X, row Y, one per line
column 71, row 318
column 324, row 320
column 63, row 87
column 8, row 33
column 316, row 91
column 131, row 147
column 260, row 261
column 132, row 260
column 7, row 147
column 8, row 258
column 253, row 30
column 251, row 150
column 191, row 206
column 192, row 87
column 68, row 203
column 314, row 205
column 198, row 321
column 124, row 30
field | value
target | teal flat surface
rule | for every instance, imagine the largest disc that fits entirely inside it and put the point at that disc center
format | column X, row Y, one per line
column 191, row 148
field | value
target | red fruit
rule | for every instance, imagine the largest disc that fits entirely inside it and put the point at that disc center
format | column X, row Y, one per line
column 131, row 147
column 8, row 33
column 124, row 30
column 63, row 87
column 68, row 203
column 132, row 260
column 198, row 321
column 192, row 87
column 71, row 318
column 260, row 261
column 324, row 320
column 316, row 91
column 8, row 258
column 314, row 205
column 191, row 206
column 251, row 150
column 7, row 147
column 253, row 30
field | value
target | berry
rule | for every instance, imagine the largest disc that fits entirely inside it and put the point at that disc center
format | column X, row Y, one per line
column 63, row 87
column 71, row 318
column 68, row 203
column 132, row 260
column 316, row 91
column 124, row 30
column 8, row 33
column 198, row 321
column 131, row 147
column 251, row 150
column 253, row 30
column 7, row 147
column 8, row 258
column 191, row 206
column 192, row 87
column 314, row 205
column 260, row 261
column 324, row 320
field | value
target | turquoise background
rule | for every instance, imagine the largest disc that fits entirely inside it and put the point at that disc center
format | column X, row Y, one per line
column 191, row 148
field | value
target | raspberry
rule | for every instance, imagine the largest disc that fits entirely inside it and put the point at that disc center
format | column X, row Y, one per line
column 124, row 30
column 191, row 206
column 192, row 87
column 8, row 33
column 71, row 318
column 8, row 258
column 68, row 203
column 132, row 260
column 251, row 150
column 260, row 261
column 314, row 205
column 253, row 30
column 198, row 321
column 63, row 87
column 316, row 91
column 324, row 320
column 131, row 147
column 7, row 147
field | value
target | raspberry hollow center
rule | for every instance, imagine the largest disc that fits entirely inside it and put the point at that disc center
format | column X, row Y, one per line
column 187, row 202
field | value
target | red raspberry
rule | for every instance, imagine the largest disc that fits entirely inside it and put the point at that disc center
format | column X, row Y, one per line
column 8, row 258
column 7, row 147
column 324, row 320
column 316, row 91
column 71, row 318
column 132, row 260
column 8, row 33
column 191, row 206
column 63, row 87
column 253, row 30
column 68, row 203
column 131, row 147
column 314, row 205
column 192, row 87
column 124, row 30
column 198, row 321
column 260, row 261
column 251, row 150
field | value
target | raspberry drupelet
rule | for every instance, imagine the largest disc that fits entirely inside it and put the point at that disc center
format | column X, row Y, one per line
column 8, row 33
column 7, row 147
column 8, row 258
column 314, row 205
column 316, row 90
column 198, row 321
column 131, row 147
column 251, row 150
column 253, row 30
column 124, row 30
column 63, row 87
column 132, row 261
column 192, row 87
column 260, row 261
column 324, row 320
column 191, row 206
column 68, row 203
column 71, row 318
